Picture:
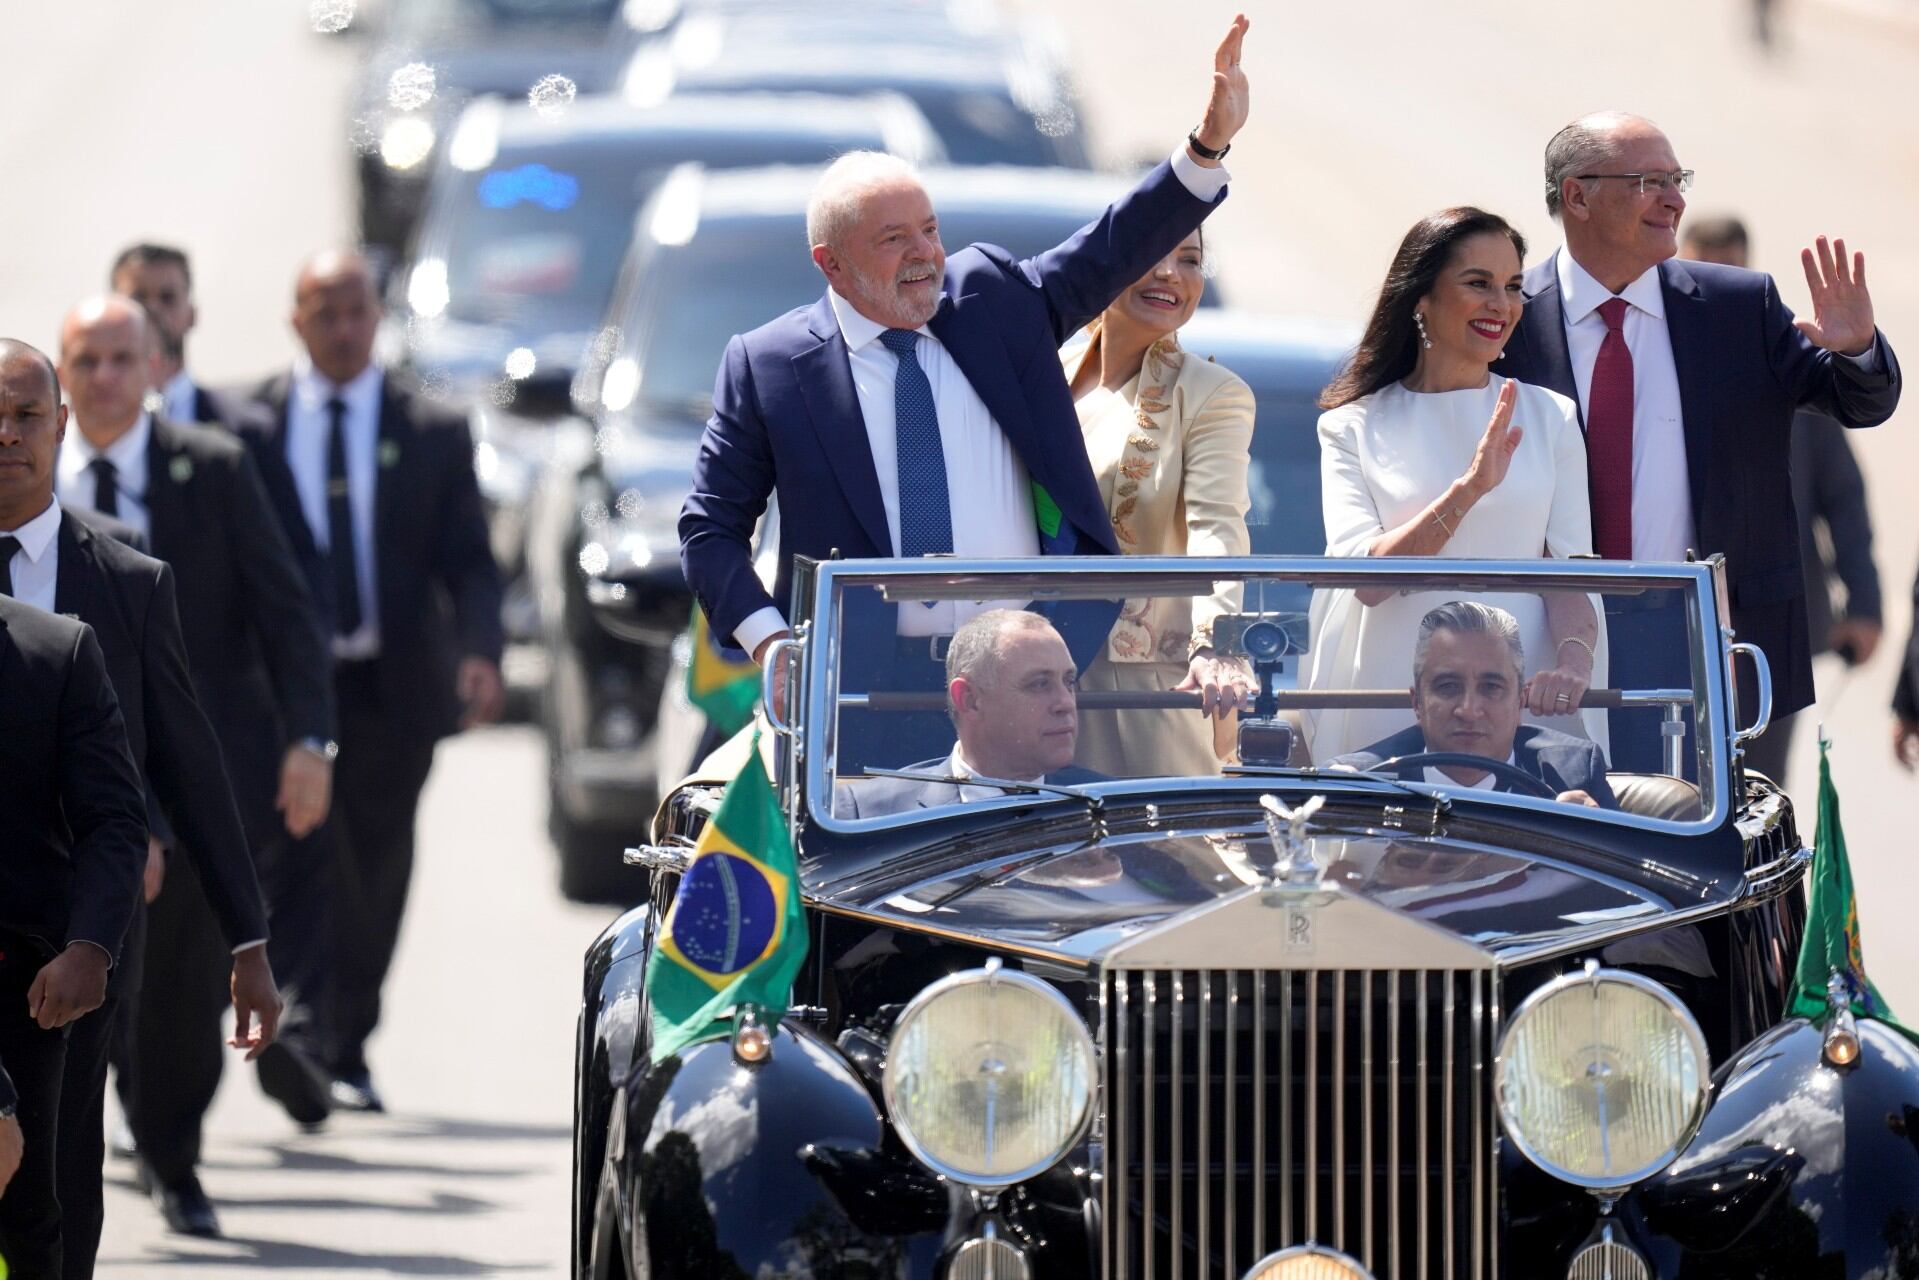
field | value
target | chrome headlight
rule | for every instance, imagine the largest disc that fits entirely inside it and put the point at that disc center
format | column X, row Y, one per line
column 989, row 1076
column 1602, row 1078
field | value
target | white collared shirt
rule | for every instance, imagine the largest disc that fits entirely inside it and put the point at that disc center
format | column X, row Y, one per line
column 181, row 398
column 308, row 428
column 1439, row 777
column 988, row 490
column 80, row 487
column 35, row 567
column 1662, row 518
column 957, row 767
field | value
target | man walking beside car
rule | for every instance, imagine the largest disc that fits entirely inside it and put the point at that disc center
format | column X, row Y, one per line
column 385, row 506
column 900, row 415
column 1687, row 376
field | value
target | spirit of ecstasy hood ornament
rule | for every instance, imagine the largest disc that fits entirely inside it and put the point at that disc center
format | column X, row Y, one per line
column 1294, row 863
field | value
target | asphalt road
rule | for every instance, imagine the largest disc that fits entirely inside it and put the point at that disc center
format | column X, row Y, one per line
column 222, row 125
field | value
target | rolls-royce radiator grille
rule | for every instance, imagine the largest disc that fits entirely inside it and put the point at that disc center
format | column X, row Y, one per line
column 1248, row 1111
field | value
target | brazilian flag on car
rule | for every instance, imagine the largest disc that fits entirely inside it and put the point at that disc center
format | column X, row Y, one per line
column 735, row 935
column 723, row 690
column 1832, row 944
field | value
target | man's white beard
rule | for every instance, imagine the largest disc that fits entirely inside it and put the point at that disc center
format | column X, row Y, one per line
column 885, row 297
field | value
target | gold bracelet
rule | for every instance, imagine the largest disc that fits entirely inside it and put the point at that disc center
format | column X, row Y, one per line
column 1592, row 658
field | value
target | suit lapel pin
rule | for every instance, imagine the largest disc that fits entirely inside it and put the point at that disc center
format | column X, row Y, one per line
column 181, row 469
column 389, row 453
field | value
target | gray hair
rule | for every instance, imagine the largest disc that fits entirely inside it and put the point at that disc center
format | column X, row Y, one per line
column 1468, row 617
column 974, row 651
column 834, row 207
column 1575, row 149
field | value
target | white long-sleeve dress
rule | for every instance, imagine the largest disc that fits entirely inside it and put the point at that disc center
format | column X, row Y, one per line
column 1383, row 460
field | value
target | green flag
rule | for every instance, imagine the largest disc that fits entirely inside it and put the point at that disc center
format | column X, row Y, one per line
column 724, row 690
column 735, row 934
column 1832, row 942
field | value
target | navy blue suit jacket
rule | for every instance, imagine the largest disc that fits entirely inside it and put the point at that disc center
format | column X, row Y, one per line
column 1744, row 371
column 1559, row 760
column 786, row 418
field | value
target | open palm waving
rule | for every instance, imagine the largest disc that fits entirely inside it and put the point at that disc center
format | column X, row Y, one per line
column 1227, row 109
column 1841, row 306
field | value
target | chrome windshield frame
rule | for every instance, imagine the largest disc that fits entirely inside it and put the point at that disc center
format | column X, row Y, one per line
column 1110, row 576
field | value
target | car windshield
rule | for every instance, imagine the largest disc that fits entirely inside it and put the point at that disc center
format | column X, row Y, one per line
column 1476, row 681
column 416, row 18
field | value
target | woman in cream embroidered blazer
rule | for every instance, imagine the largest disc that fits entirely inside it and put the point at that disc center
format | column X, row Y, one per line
column 1169, row 436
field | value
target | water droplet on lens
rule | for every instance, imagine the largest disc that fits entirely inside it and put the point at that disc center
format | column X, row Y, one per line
column 437, row 386
column 608, row 439
column 593, row 514
column 411, row 87
column 630, row 504
column 520, row 363
column 606, row 342
column 551, row 95
column 364, row 136
column 500, row 392
column 330, row 17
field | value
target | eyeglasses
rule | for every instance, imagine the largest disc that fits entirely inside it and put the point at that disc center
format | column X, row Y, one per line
column 1678, row 180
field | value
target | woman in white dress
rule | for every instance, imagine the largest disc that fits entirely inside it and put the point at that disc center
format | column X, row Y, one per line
column 1425, row 451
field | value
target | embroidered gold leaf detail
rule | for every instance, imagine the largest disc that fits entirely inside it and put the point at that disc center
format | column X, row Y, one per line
column 1127, row 488
column 1125, row 509
column 1125, row 533
column 1136, row 468
column 1151, row 393
column 1145, row 420
column 1139, row 441
column 1153, row 406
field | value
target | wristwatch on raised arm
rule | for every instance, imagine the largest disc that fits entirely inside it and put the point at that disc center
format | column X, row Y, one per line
column 1203, row 151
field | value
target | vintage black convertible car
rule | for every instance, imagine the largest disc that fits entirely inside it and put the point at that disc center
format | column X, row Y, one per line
column 1286, row 1020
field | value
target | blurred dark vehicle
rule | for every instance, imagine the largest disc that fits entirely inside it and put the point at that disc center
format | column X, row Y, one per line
column 527, row 219
column 426, row 59
column 995, row 93
column 713, row 254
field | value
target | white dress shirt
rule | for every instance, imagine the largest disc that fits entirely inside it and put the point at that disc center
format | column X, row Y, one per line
column 1487, row 782
column 957, row 767
column 308, row 427
column 181, row 398
column 128, row 455
column 1662, row 526
column 989, row 492
column 36, row 565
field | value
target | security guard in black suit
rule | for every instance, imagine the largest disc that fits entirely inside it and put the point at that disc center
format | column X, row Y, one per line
column 381, row 502
column 73, row 824
column 259, row 665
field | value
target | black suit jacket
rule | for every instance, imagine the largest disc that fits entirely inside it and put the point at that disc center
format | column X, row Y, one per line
column 1744, row 371
column 1559, row 760
column 73, row 827
column 877, row 797
column 1905, row 693
column 439, row 588
column 252, row 629
column 128, row 600
column 1829, row 490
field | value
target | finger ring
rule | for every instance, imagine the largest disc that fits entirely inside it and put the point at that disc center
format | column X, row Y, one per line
column 1564, row 699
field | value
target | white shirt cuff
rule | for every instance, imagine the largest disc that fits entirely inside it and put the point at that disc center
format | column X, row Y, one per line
column 752, row 633
column 248, row 946
column 1868, row 360
column 1203, row 182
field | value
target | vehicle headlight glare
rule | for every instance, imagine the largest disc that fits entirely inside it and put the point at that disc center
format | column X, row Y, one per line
column 1602, row 1078
column 406, row 141
column 990, row 1076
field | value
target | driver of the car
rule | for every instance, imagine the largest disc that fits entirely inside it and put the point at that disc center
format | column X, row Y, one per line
column 1468, row 694
column 1011, row 690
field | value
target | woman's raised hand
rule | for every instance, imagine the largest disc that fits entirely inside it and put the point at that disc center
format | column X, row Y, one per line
column 1496, row 448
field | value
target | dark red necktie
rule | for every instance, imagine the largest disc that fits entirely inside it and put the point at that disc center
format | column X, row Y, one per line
column 1609, row 438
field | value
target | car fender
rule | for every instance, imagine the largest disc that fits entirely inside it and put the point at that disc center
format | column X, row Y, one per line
column 734, row 1170
column 603, row 1057
column 1797, row 1167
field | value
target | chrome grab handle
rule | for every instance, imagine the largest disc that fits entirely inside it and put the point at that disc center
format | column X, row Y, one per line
column 1762, row 669
column 768, row 678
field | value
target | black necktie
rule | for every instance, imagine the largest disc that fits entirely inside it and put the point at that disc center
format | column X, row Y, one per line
column 339, row 515
column 106, row 488
column 7, row 547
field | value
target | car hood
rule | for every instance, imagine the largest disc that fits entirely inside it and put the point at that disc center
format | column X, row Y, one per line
column 1198, row 897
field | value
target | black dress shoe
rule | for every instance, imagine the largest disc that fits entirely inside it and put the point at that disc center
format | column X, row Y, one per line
column 354, row 1091
column 297, row 1084
column 186, row 1208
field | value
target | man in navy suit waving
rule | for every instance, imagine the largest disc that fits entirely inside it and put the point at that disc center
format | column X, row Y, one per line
column 1687, row 377
column 918, row 408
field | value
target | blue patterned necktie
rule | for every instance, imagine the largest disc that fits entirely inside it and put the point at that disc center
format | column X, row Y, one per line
column 926, row 510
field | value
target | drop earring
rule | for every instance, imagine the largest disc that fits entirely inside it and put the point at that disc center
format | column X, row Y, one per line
column 1419, row 322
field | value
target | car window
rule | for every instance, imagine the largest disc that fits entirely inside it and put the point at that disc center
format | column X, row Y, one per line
column 1283, row 478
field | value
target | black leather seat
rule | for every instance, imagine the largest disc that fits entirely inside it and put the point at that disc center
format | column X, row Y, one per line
column 1655, row 795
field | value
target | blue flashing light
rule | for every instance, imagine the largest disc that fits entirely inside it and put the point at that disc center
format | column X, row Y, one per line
column 530, row 184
